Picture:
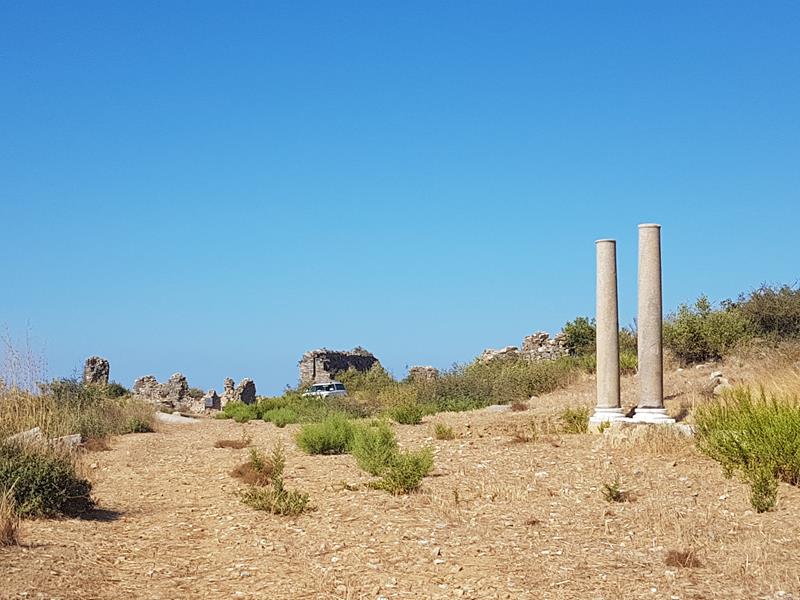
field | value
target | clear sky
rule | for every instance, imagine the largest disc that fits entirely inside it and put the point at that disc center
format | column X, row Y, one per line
column 216, row 187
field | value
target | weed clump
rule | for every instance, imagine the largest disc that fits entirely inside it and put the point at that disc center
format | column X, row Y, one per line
column 612, row 492
column 755, row 435
column 333, row 435
column 272, row 495
column 443, row 432
column 405, row 471
column 9, row 519
column 575, row 420
column 374, row 447
column 256, row 471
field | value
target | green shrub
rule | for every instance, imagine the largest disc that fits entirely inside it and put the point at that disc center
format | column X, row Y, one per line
column 274, row 498
column 241, row 412
column 628, row 362
column 280, row 416
column 444, row 432
column 408, row 413
column 755, row 435
column 575, row 420
column 333, row 435
column 628, row 342
column 405, row 472
column 374, row 447
column 116, row 390
column 773, row 311
column 373, row 381
column 699, row 333
column 579, row 336
column 44, row 481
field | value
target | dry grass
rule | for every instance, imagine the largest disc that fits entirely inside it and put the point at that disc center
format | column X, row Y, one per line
column 9, row 520
column 495, row 519
column 96, row 445
column 684, row 559
column 235, row 444
column 519, row 406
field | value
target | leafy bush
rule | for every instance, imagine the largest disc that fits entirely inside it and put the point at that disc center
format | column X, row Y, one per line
column 445, row 432
column 116, row 390
column 575, row 420
column 374, row 447
column 405, row 472
column 773, row 311
column 373, row 381
column 240, row 412
column 274, row 497
column 280, row 416
column 408, row 413
column 628, row 362
column 698, row 333
column 579, row 336
column 755, row 435
column 43, row 481
column 333, row 435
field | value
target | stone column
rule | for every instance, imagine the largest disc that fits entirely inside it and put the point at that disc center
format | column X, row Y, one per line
column 607, row 316
column 651, row 360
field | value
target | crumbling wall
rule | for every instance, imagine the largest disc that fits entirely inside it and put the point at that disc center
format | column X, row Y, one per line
column 323, row 364
column 95, row 371
column 537, row 346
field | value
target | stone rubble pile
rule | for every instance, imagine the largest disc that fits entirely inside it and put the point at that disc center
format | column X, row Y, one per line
column 422, row 373
column 537, row 346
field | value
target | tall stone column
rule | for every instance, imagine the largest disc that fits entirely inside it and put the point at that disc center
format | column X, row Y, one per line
column 607, row 340
column 651, row 356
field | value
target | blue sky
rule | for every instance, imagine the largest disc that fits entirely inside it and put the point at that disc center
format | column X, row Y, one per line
column 214, row 188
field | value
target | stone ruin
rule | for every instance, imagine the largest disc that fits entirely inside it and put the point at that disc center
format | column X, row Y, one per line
column 537, row 346
column 422, row 373
column 173, row 393
column 245, row 392
column 323, row 365
column 95, row 371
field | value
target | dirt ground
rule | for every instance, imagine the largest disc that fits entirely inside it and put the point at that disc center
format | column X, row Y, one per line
column 497, row 519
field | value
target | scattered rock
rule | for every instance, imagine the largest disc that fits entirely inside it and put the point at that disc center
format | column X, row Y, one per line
column 67, row 442
column 96, row 370
column 27, row 437
column 491, row 354
column 422, row 373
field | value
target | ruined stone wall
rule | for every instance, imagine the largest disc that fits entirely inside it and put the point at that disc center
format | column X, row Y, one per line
column 537, row 346
column 323, row 364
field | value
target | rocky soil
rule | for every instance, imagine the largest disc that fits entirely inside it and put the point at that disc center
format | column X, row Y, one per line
column 499, row 518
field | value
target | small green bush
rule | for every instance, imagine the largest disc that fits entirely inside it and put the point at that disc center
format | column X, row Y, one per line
column 408, row 413
column 575, row 420
column 374, row 447
column 116, row 390
column 699, row 333
column 444, row 432
column 44, row 481
column 755, row 435
column 274, row 498
column 405, row 472
column 628, row 362
column 333, row 435
column 579, row 336
column 280, row 416
column 240, row 412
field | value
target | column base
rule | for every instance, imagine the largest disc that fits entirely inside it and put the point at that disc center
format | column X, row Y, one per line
column 603, row 415
column 652, row 415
